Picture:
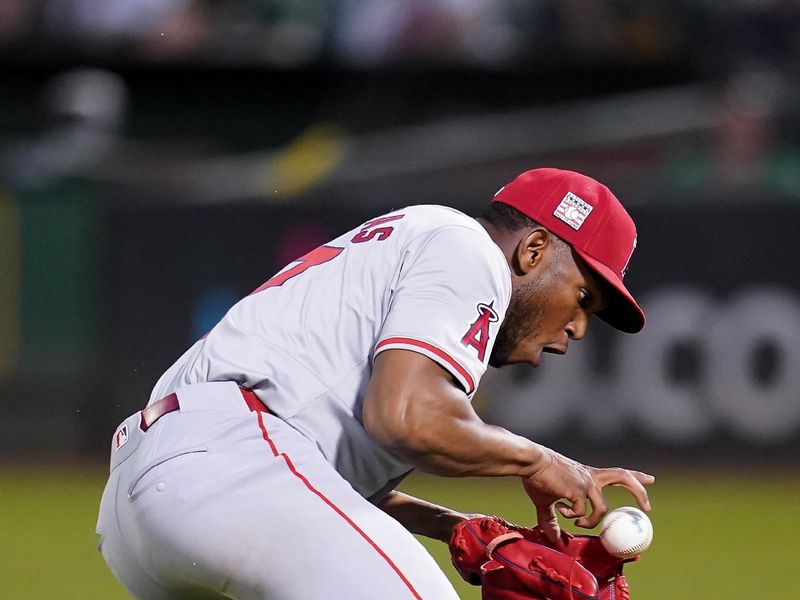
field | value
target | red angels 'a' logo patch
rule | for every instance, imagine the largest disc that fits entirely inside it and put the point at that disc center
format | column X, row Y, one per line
column 477, row 335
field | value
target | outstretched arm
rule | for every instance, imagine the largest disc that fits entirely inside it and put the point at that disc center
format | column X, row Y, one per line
column 414, row 409
column 422, row 517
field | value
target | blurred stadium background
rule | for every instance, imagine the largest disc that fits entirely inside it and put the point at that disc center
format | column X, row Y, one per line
column 160, row 159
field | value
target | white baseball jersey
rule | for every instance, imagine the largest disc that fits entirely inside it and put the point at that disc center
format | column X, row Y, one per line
column 424, row 278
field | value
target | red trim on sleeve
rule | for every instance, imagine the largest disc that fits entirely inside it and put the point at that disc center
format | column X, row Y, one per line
column 437, row 351
column 335, row 508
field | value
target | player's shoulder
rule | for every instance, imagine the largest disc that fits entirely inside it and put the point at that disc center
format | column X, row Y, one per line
column 450, row 232
column 430, row 230
column 438, row 214
column 433, row 219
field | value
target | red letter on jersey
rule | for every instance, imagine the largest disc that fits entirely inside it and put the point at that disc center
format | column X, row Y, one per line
column 316, row 257
column 478, row 334
column 367, row 233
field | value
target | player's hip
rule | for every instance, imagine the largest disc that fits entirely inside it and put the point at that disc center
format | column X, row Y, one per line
column 205, row 409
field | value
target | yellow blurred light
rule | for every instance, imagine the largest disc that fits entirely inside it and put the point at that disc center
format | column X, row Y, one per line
column 307, row 160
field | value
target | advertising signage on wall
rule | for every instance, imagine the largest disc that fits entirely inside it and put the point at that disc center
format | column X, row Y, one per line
column 738, row 374
column 718, row 361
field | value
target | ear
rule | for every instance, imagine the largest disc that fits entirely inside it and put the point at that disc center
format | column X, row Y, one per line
column 531, row 250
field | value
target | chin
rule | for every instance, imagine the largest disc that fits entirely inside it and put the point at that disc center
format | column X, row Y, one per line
column 509, row 360
column 498, row 361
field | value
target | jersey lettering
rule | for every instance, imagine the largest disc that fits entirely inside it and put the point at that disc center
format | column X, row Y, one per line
column 477, row 335
column 368, row 232
column 316, row 257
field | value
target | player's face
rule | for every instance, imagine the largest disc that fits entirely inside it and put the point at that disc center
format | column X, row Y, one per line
column 548, row 309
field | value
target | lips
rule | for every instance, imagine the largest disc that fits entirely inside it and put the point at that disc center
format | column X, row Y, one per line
column 555, row 349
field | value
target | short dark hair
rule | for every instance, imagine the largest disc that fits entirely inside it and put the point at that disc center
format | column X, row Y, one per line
column 508, row 218
column 503, row 216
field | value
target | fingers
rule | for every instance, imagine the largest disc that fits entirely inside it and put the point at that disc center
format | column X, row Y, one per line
column 633, row 481
column 547, row 520
column 599, row 509
column 573, row 489
column 643, row 477
column 578, row 508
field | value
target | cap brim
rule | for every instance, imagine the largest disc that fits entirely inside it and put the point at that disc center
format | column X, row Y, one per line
column 622, row 312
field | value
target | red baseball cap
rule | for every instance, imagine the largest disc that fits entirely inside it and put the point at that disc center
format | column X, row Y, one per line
column 585, row 214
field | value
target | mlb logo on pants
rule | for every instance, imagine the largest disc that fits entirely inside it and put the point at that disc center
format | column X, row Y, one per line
column 121, row 437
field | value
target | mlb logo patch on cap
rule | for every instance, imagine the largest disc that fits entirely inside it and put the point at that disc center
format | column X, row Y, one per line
column 572, row 210
column 121, row 437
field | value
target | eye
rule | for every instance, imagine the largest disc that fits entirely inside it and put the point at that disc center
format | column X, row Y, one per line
column 585, row 298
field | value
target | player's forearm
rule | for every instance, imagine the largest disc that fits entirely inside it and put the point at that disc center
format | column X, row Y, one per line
column 462, row 446
column 414, row 409
column 422, row 517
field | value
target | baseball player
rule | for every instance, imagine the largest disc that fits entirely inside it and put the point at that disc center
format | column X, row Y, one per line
column 265, row 462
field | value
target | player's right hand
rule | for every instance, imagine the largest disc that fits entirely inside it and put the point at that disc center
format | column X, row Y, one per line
column 561, row 478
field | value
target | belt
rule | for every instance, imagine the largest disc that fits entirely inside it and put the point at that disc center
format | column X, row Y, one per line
column 170, row 403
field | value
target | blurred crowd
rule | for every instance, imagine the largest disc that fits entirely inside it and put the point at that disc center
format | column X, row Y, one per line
column 498, row 33
column 749, row 52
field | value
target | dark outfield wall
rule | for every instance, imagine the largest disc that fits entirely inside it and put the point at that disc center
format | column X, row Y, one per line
column 715, row 375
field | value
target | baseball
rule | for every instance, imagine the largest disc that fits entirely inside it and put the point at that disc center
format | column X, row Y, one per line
column 626, row 532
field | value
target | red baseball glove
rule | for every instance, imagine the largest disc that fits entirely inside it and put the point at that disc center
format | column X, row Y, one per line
column 518, row 563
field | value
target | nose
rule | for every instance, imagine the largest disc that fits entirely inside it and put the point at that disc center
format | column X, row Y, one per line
column 576, row 328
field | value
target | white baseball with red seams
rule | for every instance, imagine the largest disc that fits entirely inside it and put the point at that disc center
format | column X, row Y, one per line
column 217, row 499
column 626, row 532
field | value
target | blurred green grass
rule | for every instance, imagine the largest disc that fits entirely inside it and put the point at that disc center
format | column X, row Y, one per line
column 717, row 535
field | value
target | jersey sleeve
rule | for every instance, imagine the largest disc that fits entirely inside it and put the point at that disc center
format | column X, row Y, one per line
column 449, row 301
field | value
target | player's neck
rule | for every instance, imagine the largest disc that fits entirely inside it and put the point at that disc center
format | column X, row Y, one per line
column 505, row 240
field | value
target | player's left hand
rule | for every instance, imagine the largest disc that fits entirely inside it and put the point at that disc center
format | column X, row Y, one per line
column 562, row 478
column 517, row 563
